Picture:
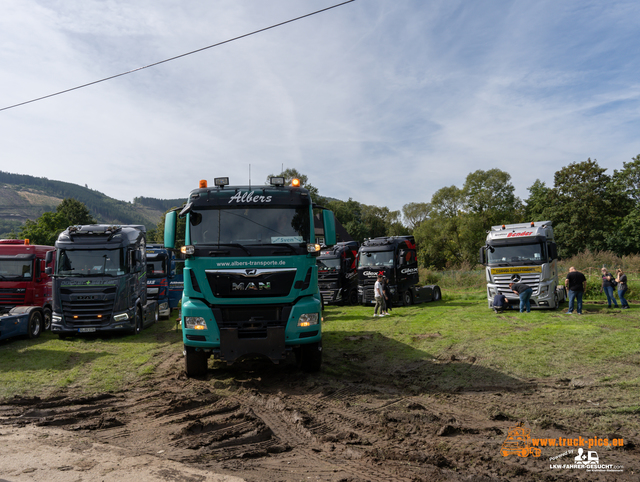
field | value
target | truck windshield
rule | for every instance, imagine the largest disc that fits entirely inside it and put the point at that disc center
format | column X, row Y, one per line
column 156, row 267
column 94, row 262
column 376, row 258
column 15, row 268
column 517, row 254
column 329, row 264
column 250, row 226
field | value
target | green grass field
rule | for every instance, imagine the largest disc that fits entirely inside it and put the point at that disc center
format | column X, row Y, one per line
column 421, row 340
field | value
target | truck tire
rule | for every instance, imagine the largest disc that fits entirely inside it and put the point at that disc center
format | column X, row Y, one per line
column 407, row 299
column 46, row 319
column 138, row 327
column 437, row 294
column 309, row 357
column 556, row 301
column 195, row 362
column 35, row 324
column 156, row 316
column 353, row 297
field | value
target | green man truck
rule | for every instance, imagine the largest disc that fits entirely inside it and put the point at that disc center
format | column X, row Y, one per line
column 250, row 273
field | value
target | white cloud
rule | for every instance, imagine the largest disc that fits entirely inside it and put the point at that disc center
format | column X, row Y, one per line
column 378, row 101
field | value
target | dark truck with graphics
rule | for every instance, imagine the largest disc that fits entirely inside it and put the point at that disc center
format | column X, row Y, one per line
column 337, row 273
column 25, row 288
column 394, row 257
column 164, row 282
column 250, row 274
column 100, row 281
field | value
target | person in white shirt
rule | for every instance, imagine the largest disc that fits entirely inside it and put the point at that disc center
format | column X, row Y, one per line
column 378, row 294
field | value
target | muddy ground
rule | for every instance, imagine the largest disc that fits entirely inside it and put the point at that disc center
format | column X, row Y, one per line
column 274, row 423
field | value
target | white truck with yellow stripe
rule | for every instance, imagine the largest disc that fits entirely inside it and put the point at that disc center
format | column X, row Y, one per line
column 523, row 253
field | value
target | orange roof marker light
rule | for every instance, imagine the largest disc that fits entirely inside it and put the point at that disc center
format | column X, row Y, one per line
column 202, row 184
column 295, row 182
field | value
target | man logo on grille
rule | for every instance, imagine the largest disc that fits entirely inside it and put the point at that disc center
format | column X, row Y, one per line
column 251, row 272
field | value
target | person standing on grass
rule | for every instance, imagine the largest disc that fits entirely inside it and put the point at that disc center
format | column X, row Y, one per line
column 524, row 292
column 378, row 295
column 608, row 282
column 576, row 285
column 386, row 292
column 621, row 278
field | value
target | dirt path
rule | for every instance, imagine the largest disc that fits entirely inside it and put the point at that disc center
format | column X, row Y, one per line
column 272, row 424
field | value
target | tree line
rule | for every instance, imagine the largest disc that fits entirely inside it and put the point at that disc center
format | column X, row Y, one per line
column 590, row 211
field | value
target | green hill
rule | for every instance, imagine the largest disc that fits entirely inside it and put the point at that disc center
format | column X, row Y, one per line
column 25, row 197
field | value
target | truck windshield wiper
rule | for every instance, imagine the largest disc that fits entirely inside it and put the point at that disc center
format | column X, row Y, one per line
column 236, row 245
column 291, row 247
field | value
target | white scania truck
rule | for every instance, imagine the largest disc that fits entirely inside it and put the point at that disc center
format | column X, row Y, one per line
column 523, row 253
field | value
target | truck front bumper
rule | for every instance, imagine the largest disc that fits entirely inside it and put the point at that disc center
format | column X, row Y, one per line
column 61, row 327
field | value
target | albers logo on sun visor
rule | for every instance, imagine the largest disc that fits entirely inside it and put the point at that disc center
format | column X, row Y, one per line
column 248, row 197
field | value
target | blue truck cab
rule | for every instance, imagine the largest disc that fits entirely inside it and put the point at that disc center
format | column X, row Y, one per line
column 250, row 274
column 164, row 283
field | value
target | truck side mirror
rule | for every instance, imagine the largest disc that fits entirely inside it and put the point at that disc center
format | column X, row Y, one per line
column 48, row 257
column 482, row 256
column 48, row 270
column 170, row 220
column 329, row 222
column 553, row 251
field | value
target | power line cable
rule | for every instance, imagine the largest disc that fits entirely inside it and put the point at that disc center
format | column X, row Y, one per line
column 177, row 56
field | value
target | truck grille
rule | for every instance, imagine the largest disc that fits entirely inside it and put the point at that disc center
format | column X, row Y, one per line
column 89, row 306
column 251, row 283
column 12, row 296
column 252, row 321
column 530, row 279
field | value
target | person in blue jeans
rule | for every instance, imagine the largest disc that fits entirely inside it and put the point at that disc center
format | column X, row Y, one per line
column 621, row 278
column 576, row 285
column 524, row 292
column 608, row 282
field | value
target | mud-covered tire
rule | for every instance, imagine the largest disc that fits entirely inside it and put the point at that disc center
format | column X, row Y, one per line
column 36, row 323
column 309, row 357
column 437, row 294
column 407, row 299
column 195, row 362
column 138, row 324
column 46, row 319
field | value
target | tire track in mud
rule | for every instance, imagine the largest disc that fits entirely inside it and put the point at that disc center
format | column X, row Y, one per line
column 286, row 428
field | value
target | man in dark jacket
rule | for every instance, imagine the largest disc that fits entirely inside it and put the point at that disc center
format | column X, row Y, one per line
column 500, row 303
column 576, row 285
column 524, row 292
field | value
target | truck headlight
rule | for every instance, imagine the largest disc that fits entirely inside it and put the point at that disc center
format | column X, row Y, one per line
column 56, row 318
column 121, row 317
column 308, row 319
column 195, row 322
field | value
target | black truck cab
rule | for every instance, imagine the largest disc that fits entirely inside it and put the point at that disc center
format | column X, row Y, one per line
column 337, row 273
column 100, row 280
column 395, row 258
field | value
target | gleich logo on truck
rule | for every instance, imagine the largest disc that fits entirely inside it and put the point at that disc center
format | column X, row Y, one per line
column 515, row 235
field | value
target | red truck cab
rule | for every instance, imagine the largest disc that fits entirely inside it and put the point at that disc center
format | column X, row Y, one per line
column 23, row 278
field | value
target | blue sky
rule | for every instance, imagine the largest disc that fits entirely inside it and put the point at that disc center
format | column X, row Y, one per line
column 381, row 101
